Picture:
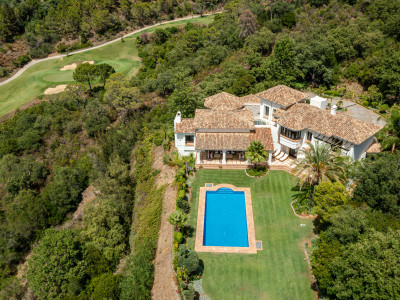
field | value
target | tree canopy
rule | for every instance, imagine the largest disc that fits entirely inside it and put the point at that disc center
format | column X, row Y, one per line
column 378, row 183
column 55, row 263
column 329, row 198
column 86, row 72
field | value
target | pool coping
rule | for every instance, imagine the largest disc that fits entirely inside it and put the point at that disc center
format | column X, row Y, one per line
column 251, row 234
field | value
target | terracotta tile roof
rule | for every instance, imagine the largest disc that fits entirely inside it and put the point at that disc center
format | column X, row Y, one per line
column 223, row 101
column 186, row 126
column 222, row 140
column 250, row 99
column 283, row 95
column 233, row 140
column 304, row 116
column 375, row 148
column 263, row 135
column 219, row 119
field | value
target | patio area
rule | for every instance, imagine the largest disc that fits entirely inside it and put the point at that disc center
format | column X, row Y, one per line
column 211, row 157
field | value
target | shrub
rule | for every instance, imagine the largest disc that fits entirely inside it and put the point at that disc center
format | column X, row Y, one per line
column 42, row 51
column 73, row 127
column 352, row 71
column 166, row 159
column 158, row 137
column 21, row 61
column 365, row 103
column 3, row 72
column 30, row 140
column 181, row 193
column 333, row 93
column 189, row 293
column 178, row 237
column 166, row 144
column 257, row 171
column 188, row 258
column 383, row 108
column 183, row 204
column 289, row 19
column 106, row 286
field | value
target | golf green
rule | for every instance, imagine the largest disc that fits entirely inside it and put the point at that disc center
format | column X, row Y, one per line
column 122, row 55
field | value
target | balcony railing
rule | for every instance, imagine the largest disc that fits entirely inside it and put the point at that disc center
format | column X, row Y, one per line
column 288, row 138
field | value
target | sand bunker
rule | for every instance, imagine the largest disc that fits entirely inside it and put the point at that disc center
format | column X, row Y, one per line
column 74, row 65
column 58, row 89
column 69, row 67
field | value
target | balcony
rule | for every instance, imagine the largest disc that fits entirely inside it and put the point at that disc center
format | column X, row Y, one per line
column 293, row 144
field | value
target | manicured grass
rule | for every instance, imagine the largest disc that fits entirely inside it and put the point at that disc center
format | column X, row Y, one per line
column 277, row 272
column 123, row 56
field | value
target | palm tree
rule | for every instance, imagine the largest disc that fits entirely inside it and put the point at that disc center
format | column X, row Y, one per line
column 321, row 163
column 178, row 219
column 390, row 135
column 256, row 153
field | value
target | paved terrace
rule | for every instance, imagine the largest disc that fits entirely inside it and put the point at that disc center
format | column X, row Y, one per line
column 360, row 112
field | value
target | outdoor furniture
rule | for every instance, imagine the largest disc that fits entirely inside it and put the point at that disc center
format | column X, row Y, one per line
column 280, row 155
column 241, row 156
column 217, row 156
column 209, row 155
column 283, row 158
column 229, row 156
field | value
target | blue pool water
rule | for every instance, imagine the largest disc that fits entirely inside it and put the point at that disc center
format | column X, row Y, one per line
column 225, row 222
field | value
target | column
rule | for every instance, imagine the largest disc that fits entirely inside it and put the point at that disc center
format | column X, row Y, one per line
column 270, row 157
column 198, row 156
column 224, row 157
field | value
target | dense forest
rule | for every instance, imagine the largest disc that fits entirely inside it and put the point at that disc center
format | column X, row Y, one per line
column 101, row 137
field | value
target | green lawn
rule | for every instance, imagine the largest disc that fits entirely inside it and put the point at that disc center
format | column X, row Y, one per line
column 35, row 80
column 277, row 272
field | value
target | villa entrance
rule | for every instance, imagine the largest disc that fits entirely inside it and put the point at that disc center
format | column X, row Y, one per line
column 292, row 152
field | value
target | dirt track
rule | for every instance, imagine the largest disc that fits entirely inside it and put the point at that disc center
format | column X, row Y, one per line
column 164, row 286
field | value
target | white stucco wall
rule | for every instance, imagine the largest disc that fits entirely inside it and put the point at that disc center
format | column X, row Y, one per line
column 271, row 106
column 255, row 108
column 180, row 144
column 361, row 149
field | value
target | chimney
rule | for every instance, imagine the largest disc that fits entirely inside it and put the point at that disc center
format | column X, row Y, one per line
column 333, row 110
column 178, row 118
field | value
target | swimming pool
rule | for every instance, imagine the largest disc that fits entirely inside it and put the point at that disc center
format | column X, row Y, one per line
column 225, row 221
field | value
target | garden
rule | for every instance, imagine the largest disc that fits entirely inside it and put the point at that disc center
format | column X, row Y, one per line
column 279, row 271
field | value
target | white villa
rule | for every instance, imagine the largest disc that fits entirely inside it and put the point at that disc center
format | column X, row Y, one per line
column 279, row 117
